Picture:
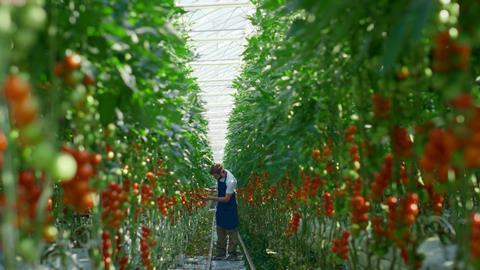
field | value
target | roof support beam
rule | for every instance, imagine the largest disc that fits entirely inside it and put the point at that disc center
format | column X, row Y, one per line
column 217, row 30
column 216, row 80
column 218, row 39
column 215, row 63
column 214, row 5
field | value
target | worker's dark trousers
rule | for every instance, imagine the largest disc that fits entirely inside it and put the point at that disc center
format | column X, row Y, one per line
column 222, row 235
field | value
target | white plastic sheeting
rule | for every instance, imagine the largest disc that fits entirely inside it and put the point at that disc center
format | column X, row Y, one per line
column 217, row 31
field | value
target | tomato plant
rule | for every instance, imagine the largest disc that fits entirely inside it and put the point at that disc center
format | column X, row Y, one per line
column 379, row 102
column 100, row 118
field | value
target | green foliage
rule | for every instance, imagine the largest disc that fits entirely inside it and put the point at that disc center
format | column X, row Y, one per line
column 316, row 68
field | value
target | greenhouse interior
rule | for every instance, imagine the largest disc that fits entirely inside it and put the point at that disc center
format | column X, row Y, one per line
column 240, row 134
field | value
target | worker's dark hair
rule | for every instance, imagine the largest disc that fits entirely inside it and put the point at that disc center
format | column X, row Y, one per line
column 216, row 168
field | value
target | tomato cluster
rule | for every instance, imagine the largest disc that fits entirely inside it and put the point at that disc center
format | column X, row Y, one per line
column 328, row 206
column 359, row 207
column 293, row 223
column 28, row 194
column 69, row 71
column 322, row 155
column 165, row 203
column 253, row 189
column 449, row 55
column 106, row 249
column 438, row 153
column 3, row 147
column 18, row 93
column 401, row 142
column 443, row 144
column 350, row 133
column 77, row 192
column 123, row 262
column 146, row 194
column 381, row 106
column 145, row 244
column 401, row 216
column 380, row 182
column 192, row 199
column 340, row 245
column 436, row 199
column 151, row 177
column 309, row 188
column 112, row 201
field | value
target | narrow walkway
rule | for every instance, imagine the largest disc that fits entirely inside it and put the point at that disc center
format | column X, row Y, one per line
column 205, row 262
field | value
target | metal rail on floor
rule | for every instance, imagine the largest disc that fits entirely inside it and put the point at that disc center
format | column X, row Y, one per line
column 210, row 252
column 242, row 244
column 247, row 255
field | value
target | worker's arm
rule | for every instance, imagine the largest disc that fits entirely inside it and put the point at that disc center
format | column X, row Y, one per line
column 224, row 199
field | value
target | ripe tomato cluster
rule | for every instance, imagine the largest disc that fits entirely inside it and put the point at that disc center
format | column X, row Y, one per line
column 77, row 192
column 380, row 182
column 3, row 147
column 340, row 245
column 165, row 203
column 350, row 133
column 449, row 55
column 69, row 71
column 381, row 106
column 193, row 199
column 443, row 144
column 435, row 161
column 28, row 194
column 310, row 187
column 359, row 207
column 328, row 206
column 24, row 106
column 322, row 155
column 112, row 201
column 253, row 189
column 293, row 223
column 436, row 200
column 106, row 249
column 145, row 244
column 146, row 195
column 401, row 142
column 401, row 216
column 151, row 178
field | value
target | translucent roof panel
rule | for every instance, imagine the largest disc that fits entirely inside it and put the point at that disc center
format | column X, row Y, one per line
column 217, row 32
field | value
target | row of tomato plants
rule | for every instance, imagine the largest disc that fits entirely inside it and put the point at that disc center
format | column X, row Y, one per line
column 358, row 131
column 103, row 145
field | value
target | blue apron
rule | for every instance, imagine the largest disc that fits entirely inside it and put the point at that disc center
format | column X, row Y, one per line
column 226, row 214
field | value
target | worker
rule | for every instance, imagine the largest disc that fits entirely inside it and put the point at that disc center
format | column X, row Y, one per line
column 226, row 214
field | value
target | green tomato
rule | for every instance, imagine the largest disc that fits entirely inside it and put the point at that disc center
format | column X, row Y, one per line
column 33, row 132
column 27, row 249
column 64, row 167
column 24, row 39
column 43, row 155
column 5, row 21
column 33, row 17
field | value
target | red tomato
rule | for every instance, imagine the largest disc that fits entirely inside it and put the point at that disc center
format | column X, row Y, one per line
column 16, row 89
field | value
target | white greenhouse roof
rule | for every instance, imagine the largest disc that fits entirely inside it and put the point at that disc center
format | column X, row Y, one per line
column 217, row 31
